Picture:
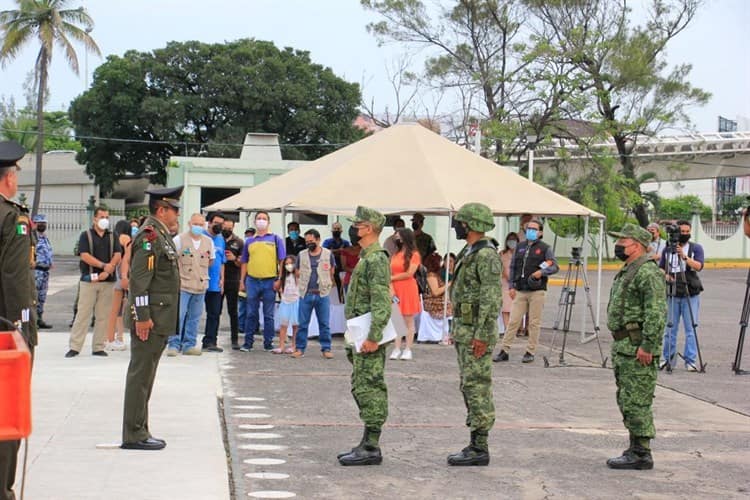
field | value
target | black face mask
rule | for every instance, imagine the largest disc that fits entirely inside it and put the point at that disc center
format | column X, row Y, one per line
column 416, row 226
column 353, row 236
column 684, row 238
column 461, row 231
column 311, row 246
column 620, row 252
column 336, row 234
column 41, row 227
column 226, row 233
column 216, row 229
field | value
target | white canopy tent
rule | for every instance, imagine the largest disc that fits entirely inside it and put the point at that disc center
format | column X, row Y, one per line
column 405, row 169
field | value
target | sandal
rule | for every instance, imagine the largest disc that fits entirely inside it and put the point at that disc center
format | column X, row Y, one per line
column 278, row 350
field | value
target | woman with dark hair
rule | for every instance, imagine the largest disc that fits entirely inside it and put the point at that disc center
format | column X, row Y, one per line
column 433, row 328
column 115, row 327
column 449, row 261
column 404, row 263
column 506, row 256
column 350, row 257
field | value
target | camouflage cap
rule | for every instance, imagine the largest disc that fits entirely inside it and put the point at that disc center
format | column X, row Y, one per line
column 633, row 232
column 370, row 215
column 477, row 216
column 39, row 218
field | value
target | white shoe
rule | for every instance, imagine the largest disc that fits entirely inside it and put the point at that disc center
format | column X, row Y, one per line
column 396, row 354
column 118, row 345
column 406, row 355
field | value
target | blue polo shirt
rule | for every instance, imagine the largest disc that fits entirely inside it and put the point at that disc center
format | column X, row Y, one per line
column 214, row 272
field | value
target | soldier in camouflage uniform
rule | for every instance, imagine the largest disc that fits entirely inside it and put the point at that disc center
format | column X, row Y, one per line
column 17, row 286
column 636, row 315
column 44, row 263
column 154, row 300
column 476, row 295
column 369, row 292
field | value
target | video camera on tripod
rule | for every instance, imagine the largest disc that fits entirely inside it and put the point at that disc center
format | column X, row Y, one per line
column 673, row 236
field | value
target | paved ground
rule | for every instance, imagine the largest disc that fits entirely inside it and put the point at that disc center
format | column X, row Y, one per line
column 286, row 420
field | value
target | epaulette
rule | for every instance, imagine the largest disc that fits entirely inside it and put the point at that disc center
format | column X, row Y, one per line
column 149, row 233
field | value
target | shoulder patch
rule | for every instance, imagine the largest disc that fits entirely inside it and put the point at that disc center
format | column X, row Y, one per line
column 149, row 233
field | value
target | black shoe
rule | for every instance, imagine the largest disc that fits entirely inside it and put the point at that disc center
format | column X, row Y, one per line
column 44, row 326
column 632, row 460
column 71, row 354
column 158, row 439
column 235, row 346
column 501, row 356
column 527, row 358
column 146, row 444
column 212, row 348
column 470, row 456
column 368, row 455
column 268, row 347
column 100, row 353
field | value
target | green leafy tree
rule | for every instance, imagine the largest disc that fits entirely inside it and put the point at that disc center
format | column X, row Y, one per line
column 192, row 97
column 683, row 207
column 22, row 127
column 625, row 85
column 51, row 23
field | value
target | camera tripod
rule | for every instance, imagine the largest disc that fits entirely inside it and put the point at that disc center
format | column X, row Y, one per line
column 674, row 275
column 565, row 309
column 743, row 327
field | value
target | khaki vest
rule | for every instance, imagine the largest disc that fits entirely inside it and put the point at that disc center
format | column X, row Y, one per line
column 194, row 264
column 324, row 272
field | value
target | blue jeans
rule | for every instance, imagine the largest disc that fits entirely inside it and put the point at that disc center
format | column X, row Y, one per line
column 191, row 310
column 679, row 308
column 259, row 290
column 322, row 307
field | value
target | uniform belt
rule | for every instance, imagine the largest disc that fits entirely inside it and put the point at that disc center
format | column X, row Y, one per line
column 41, row 268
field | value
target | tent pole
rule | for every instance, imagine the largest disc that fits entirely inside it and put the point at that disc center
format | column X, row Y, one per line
column 445, row 277
column 585, row 253
column 599, row 272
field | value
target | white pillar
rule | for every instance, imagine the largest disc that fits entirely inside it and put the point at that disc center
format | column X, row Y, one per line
column 531, row 164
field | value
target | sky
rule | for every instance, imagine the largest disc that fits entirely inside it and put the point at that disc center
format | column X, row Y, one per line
column 334, row 32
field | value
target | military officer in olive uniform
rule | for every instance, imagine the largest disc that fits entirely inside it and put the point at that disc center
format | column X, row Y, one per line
column 154, row 303
column 636, row 314
column 17, row 282
column 476, row 295
column 369, row 292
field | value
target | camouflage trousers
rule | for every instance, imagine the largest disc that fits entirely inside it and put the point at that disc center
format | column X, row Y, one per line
column 476, row 387
column 42, row 284
column 368, row 386
column 635, row 393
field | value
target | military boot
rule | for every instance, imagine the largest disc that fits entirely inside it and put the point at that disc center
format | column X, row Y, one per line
column 368, row 453
column 361, row 443
column 637, row 458
column 477, row 453
column 40, row 323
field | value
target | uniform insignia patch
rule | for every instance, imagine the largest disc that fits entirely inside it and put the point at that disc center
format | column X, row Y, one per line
column 146, row 245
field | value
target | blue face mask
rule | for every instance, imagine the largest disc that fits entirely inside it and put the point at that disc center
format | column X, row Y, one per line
column 294, row 234
column 531, row 234
column 196, row 230
column 133, row 231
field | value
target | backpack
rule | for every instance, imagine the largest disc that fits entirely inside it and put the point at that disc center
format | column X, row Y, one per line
column 421, row 276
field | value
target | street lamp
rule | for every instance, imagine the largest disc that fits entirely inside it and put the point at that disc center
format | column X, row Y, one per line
column 531, row 142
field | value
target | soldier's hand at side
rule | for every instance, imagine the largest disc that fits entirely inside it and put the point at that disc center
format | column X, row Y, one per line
column 369, row 346
column 143, row 328
column 644, row 357
column 479, row 347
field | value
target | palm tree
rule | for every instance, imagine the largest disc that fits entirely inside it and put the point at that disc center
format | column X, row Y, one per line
column 52, row 24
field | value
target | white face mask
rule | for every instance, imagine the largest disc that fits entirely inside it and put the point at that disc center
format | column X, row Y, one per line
column 103, row 224
column 261, row 223
column 289, row 267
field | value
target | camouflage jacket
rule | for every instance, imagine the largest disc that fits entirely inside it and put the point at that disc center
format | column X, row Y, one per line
column 154, row 278
column 476, row 293
column 369, row 290
column 641, row 299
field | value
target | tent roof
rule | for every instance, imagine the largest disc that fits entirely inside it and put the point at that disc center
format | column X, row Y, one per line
column 403, row 169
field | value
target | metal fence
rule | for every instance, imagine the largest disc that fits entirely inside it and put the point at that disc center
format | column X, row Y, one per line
column 720, row 230
column 66, row 222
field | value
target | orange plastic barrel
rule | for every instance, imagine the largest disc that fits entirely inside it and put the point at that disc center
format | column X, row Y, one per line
column 15, row 387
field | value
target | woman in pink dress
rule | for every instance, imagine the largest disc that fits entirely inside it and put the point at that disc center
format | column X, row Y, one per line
column 404, row 263
column 506, row 255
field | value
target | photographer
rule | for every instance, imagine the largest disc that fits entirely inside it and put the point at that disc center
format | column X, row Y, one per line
column 683, row 290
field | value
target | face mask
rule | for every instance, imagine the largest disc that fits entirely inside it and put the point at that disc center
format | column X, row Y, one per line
column 216, row 229
column 261, row 223
column 133, row 231
column 336, row 234
column 461, row 231
column 294, row 234
column 620, row 252
column 289, row 267
column 531, row 234
column 353, row 236
column 196, row 230
column 684, row 238
column 311, row 246
column 103, row 224
column 226, row 233
column 416, row 225
column 41, row 227
column 512, row 244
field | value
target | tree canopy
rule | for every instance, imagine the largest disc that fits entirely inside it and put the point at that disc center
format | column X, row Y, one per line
column 194, row 97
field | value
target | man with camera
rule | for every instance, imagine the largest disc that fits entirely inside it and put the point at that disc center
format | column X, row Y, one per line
column 681, row 261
